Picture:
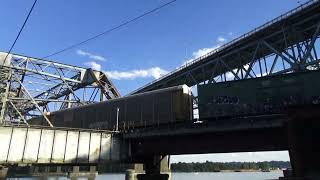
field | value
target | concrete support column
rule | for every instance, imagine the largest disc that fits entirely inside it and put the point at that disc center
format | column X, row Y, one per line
column 36, row 170
column 131, row 174
column 75, row 169
column 47, row 169
column 59, row 170
column 76, row 173
column 93, row 169
column 133, row 171
column 156, row 168
column 304, row 146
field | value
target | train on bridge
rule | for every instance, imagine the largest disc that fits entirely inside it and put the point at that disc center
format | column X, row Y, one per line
column 154, row 108
column 242, row 98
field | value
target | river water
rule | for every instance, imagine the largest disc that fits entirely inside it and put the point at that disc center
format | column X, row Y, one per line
column 196, row 176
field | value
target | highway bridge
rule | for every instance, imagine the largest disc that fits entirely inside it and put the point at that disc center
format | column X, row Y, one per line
column 286, row 45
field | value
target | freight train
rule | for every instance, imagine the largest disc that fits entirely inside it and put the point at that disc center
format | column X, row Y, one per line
column 265, row 95
column 154, row 108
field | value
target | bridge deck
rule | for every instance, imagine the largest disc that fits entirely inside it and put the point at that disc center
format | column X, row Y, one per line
column 211, row 126
column 246, row 134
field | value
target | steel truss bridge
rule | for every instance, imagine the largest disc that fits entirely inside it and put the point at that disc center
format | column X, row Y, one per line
column 31, row 87
column 288, row 43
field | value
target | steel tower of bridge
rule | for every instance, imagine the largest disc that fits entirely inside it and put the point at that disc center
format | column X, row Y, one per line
column 31, row 87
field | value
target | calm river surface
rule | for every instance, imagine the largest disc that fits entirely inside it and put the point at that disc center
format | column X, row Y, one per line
column 198, row 176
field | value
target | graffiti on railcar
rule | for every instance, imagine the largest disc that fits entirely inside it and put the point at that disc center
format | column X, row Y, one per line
column 225, row 100
column 256, row 96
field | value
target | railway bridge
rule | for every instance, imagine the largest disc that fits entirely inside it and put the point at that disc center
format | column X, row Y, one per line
column 259, row 92
column 288, row 44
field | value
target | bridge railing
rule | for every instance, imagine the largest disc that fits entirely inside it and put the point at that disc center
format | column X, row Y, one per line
column 234, row 41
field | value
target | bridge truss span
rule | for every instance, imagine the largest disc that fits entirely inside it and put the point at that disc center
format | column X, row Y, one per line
column 31, row 87
column 289, row 43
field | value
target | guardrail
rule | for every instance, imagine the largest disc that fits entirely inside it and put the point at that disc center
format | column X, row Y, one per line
column 230, row 43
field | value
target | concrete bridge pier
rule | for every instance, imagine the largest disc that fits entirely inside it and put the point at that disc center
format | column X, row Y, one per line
column 76, row 173
column 304, row 146
column 133, row 171
column 156, row 168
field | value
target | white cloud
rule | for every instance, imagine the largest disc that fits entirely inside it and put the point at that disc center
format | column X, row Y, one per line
column 93, row 65
column 90, row 55
column 230, row 33
column 155, row 72
column 221, row 39
column 230, row 75
column 201, row 52
column 204, row 51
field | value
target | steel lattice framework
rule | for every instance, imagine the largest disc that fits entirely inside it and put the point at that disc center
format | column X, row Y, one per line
column 32, row 87
column 289, row 43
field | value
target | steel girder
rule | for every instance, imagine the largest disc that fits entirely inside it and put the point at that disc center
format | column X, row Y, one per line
column 31, row 87
column 286, row 44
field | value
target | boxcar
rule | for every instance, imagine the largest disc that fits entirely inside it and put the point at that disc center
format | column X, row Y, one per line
column 154, row 108
column 272, row 94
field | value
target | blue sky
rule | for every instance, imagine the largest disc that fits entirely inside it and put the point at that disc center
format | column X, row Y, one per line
column 139, row 52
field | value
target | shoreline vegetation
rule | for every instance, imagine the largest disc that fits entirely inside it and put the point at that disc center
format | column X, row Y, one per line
column 194, row 167
column 207, row 166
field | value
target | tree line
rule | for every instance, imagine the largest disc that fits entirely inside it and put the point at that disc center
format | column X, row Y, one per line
column 220, row 166
column 206, row 166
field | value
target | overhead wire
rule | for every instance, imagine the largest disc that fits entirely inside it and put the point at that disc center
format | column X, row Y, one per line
column 110, row 30
column 21, row 29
